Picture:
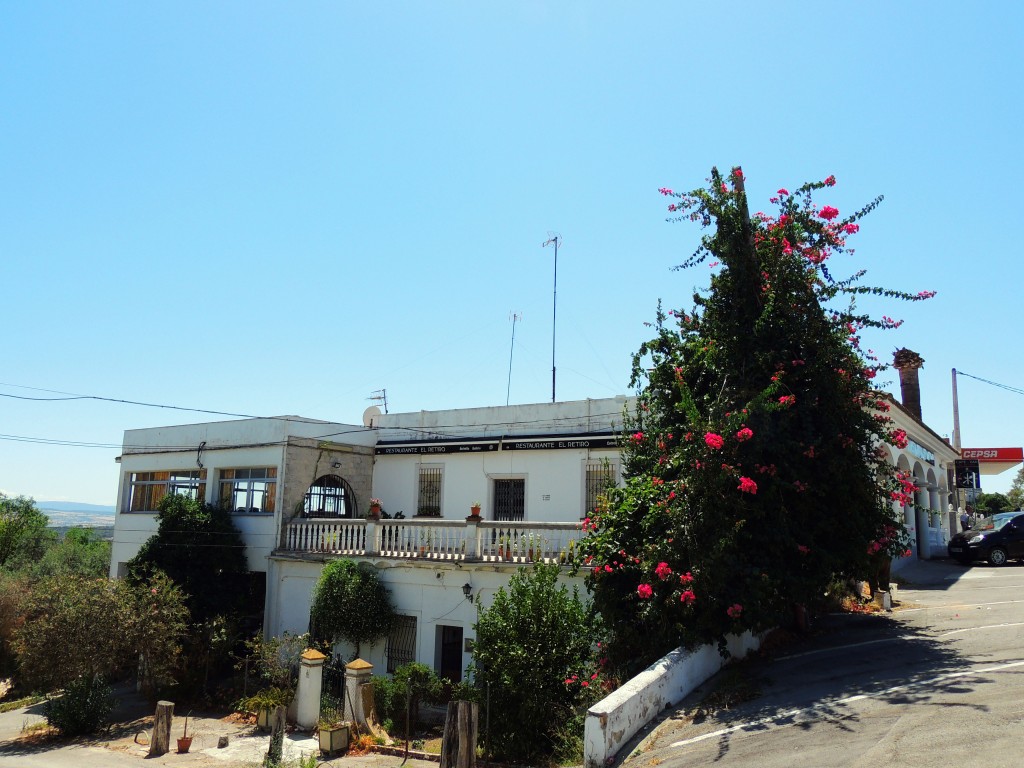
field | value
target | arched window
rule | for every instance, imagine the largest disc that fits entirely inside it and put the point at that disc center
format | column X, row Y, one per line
column 329, row 496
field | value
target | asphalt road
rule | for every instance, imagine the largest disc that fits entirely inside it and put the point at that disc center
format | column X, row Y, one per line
column 938, row 682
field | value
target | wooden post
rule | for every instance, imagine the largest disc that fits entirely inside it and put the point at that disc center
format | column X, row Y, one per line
column 458, row 746
column 161, row 741
column 276, row 749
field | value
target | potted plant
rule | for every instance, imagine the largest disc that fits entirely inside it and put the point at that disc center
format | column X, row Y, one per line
column 375, row 507
column 474, row 510
column 334, row 733
column 263, row 703
column 184, row 741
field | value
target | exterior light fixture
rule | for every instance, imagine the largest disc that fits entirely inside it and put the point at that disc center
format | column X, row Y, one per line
column 467, row 590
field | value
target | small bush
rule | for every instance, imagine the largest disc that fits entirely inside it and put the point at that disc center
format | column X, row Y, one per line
column 82, row 709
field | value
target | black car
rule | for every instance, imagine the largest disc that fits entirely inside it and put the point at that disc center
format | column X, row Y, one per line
column 997, row 539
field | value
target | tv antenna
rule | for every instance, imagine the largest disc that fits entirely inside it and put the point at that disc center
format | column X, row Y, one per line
column 553, row 239
column 380, row 396
column 515, row 316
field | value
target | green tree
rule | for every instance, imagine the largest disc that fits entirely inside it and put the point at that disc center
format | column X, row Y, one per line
column 79, row 552
column 987, row 504
column 198, row 546
column 1016, row 493
column 534, row 654
column 752, row 471
column 350, row 604
column 77, row 627
column 22, row 529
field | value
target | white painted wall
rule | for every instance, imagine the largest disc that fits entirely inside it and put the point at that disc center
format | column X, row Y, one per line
column 430, row 591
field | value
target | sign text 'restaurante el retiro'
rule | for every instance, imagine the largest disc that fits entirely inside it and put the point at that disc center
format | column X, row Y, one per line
column 575, row 442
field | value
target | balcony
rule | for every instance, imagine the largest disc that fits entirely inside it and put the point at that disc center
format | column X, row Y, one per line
column 435, row 539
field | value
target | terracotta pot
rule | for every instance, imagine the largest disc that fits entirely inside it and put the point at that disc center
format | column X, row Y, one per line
column 184, row 742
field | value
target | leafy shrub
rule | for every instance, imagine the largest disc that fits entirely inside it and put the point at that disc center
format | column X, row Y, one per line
column 533, row 652
column 412, row 684
column 82, row 709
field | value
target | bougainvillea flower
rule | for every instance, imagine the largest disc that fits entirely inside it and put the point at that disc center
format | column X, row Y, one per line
column 713, row 440
column 747, row 485
column 828, row 212
column 734, row 611
column 662, row 571
column 744, row 434
column 687, row 597
column 645, row 591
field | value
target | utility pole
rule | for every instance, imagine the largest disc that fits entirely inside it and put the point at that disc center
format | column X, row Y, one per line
column 553, row 240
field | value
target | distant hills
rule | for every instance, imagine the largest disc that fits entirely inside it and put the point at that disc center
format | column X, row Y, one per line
column 69, row 514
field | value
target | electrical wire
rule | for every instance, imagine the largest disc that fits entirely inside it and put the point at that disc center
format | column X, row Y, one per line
column 1015, row 390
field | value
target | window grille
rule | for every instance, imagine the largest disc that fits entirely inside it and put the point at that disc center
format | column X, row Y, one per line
column 428, row 502
column 600, row 476
column 509, row 500
column 329, row 496
column 401, row 645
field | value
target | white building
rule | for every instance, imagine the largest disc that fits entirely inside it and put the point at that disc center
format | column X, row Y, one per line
column 300, row 490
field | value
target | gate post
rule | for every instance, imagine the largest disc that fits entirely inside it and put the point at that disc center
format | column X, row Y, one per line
column 307, row 696
column 357, row 674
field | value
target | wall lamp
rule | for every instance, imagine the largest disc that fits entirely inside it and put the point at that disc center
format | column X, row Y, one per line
column 467, row 590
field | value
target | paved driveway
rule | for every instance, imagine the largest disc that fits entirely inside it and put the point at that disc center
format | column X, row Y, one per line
column 939, row 682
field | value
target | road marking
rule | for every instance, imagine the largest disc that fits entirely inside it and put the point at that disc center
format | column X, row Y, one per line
column 987, row 626
column 838, row 648
column 959, row 606
column 828, row 704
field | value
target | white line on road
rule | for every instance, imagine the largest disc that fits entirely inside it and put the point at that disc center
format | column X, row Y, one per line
column 987, row 626
column 824, row 706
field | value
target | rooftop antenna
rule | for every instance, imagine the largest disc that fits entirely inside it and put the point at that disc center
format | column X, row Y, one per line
column 380, row 396
column 553, row 239
column 515, row 316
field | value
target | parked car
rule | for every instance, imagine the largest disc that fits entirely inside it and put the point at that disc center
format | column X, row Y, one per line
column 997, row 539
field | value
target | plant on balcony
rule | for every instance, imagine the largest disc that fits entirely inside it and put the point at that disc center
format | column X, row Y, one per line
column 350, row 604
column 752, row 475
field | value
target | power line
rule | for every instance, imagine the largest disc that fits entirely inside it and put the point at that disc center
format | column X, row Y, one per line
column 1015, row 390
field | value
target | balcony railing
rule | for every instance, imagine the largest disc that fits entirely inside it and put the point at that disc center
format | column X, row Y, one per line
column 436, row 539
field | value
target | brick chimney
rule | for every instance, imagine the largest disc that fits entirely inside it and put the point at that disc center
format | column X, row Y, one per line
column 908, row 363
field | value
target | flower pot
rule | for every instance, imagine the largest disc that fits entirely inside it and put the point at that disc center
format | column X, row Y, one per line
column 184, row 742
column 263, row 720
column 334, row 738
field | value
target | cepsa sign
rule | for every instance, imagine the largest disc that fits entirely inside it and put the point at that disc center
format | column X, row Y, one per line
column 993, row 454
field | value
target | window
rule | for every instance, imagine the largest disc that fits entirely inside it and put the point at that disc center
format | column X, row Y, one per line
column 249, row 490
column 509, row 500
column 330, row 496
column 147, row 488
column 401, row 645
column 599, row 477
column 428, row 500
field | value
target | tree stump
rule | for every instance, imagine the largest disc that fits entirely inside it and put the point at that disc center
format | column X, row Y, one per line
column 274, row 753
column 161, row 741
column 458, row 746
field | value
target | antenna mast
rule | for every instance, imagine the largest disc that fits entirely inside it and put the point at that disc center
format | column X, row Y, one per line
column 553, row 240
column 515, row 316
column 380, row 396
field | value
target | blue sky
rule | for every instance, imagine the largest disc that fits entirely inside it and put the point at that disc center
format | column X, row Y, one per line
column 265, row 210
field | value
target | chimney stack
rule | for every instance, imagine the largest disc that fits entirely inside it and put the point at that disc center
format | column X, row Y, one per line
column 908, row 363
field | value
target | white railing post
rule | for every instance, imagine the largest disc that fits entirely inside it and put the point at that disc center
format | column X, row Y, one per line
column 472, row 540
column 372, row 544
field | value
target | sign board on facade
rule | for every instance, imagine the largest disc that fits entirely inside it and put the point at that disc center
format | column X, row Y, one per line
column 967, row 473
column 992, row 461
column 530, row 443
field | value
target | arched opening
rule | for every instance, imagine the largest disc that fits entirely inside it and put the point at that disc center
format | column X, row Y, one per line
column 329, row 496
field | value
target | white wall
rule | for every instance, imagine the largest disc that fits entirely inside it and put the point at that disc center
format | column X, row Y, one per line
column 432, row 592
column 554, row 481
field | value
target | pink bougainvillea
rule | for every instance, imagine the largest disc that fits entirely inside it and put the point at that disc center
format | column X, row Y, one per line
column 645, row 591
column 747, row 485
column 744, row 434
column 713, row 440
column 662, row 571
column 734, row 611
column 687, row 597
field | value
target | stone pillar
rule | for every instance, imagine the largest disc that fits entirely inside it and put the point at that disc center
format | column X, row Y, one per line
column 357, row 674
column 372, row 531
column 908, row 363
column 307, row 696
column 472, row 538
